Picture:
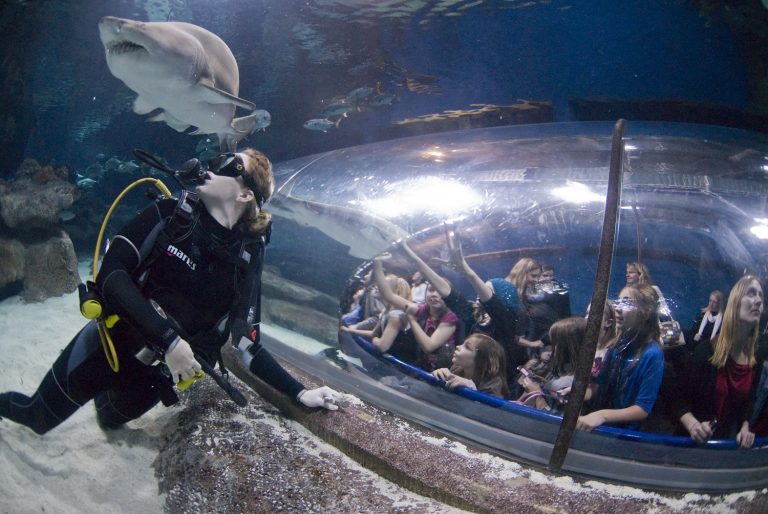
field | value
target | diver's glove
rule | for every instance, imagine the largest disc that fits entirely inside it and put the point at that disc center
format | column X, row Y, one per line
column 181, row 361
column 319, row 397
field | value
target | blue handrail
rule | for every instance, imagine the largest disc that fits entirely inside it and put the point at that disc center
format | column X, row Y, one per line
column 493, row 401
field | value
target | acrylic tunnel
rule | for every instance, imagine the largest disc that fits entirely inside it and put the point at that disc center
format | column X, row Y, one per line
column 692, row 208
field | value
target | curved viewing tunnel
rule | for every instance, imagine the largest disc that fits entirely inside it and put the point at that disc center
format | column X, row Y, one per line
column 692, row 208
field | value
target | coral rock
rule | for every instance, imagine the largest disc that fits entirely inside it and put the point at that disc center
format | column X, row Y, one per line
column 11, row 261
column 50, row 269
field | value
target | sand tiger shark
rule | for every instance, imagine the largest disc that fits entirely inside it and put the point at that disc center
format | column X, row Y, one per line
column 183, row 69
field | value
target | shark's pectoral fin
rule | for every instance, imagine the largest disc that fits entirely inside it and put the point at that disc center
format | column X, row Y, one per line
column 175, row 123
column 241, row 127
column 142, row 106
column 211, row 94
column 245, row 125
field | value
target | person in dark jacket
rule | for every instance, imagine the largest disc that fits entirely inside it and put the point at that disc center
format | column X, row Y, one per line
column 724, row 373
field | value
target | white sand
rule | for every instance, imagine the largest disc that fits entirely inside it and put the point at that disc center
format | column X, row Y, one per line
column 74, row 468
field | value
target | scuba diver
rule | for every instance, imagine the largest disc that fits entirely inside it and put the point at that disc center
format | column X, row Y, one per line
column 177, row 282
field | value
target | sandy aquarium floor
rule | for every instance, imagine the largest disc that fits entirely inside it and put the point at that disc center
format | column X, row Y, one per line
column 77, row 468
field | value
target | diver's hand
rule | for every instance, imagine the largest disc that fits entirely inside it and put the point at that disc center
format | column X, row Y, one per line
column 319, row 397
column 181, row 361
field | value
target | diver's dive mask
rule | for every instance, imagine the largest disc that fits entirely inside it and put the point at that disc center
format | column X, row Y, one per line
column 192, row 173
column 232, row 165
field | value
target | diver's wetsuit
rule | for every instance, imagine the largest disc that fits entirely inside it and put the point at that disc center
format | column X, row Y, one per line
column 196, row 280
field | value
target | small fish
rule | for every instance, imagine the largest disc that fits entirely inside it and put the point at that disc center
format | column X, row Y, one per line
column 382, row 100
column 321, row 124
column 86, row 183
column 66, row 215
column 338, row 109
column 359, row 95
column 128, row 167
column 263, row 119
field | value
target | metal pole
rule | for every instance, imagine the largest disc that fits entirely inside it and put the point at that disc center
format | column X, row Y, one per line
column 599, row 294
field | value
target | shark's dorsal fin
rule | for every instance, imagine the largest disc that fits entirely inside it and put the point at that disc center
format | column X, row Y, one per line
column 216, row 96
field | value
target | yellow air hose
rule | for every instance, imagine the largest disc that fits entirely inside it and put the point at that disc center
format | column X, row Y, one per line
column 104, row 324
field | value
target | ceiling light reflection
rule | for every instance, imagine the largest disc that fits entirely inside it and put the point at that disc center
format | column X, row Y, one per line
column 429, row 194
column 575, row 192
column 760, row 231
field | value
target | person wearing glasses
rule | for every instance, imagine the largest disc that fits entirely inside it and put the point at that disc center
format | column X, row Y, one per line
column 625, row 390
column 177, row 282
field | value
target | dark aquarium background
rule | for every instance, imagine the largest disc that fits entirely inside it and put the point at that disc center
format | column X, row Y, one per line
column 426, row 66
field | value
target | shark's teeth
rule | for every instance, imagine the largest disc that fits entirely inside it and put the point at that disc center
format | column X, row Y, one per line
column 122, row 47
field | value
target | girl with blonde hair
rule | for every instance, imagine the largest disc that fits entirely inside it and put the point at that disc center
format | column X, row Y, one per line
column 723, row 373
column 389, row 334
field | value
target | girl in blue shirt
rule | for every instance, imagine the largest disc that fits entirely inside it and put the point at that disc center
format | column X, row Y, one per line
column 628, row 383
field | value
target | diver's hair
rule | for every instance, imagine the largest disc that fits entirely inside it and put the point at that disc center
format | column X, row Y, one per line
column 644, row 298
column 255, row 221
column 519, row 272
column 724, row 341
column 399, row 286
column 643, row 275
column 719, row 296
column 490, row 361
column 566, row 336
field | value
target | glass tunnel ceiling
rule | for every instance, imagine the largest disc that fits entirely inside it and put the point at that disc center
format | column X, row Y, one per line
column 691, row 194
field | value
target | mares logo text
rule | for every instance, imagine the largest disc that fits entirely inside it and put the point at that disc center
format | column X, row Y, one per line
column 172, row 250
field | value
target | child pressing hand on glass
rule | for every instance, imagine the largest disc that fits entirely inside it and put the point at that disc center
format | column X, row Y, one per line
column 478, row 364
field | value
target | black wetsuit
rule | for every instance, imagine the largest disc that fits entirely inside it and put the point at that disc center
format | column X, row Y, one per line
column 197, row 279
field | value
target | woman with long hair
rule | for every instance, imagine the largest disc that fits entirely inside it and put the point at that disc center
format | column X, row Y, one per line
column 626, row 388
column 723, row 373
column 478, row 364
column 566, row 336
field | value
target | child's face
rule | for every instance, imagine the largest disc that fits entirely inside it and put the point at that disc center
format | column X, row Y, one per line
column 627, row 314
column 464, row 355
